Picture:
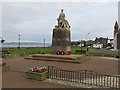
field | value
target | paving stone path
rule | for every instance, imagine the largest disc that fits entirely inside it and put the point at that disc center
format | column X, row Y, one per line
column 14, row 79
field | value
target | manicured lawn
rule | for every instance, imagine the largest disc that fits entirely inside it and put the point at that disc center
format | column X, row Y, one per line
column 35, row 50
column 73, row 49
column 97, row 53
column 48, row 50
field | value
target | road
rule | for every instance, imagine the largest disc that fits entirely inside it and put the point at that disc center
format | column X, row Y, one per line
column 103, row 50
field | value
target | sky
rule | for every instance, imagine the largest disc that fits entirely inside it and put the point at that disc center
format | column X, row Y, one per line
column 35, row 21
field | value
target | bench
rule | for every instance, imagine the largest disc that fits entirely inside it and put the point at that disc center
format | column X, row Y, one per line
column 80, row 51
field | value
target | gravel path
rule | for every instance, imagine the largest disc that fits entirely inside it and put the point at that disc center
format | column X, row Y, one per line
column 17, row 79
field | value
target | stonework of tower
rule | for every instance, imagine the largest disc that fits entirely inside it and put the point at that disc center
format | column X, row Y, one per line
column 61, row 40
column 116, row 36
column 118, row 40
column 116, row 28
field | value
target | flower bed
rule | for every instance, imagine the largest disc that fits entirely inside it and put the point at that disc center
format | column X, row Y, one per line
column 106, row 55
column 4, row 67
column 37, row 73
column 2, row 64
column 63, row 53
column 24, row 54
column 6, row 56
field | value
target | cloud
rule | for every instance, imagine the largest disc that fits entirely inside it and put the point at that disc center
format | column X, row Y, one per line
column 36, row 20
column 104, row 1
column 119, row 12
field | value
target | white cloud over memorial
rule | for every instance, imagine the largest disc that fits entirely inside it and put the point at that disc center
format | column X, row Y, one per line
column 36, row 20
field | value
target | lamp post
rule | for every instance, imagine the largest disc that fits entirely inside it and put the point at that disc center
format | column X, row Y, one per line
column 19, row 41
column 86, row 38
column 44, row 42
column 86, row 41
column 44, row 46
column 81, row 46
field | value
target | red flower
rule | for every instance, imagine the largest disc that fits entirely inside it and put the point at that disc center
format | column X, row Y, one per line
column 62, row 52
column 58, row 52
column 69, row 52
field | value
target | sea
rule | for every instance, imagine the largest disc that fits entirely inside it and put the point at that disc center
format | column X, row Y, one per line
column 26, row 44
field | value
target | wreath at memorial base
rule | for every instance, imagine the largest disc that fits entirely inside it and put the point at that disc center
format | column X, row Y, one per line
column 69, row 52
column 58, row 52
column 62, row 52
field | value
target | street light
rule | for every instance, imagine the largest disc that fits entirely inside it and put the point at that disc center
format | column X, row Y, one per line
column 81, row 46
column 44, row 43
column 19, row 41
column 86, row 38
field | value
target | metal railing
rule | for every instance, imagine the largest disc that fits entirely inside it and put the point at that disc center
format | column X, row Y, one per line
column 88, row 77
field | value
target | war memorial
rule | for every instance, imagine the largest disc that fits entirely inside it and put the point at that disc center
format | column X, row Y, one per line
column 61, row 41
column 61, row 38
column 69, row 70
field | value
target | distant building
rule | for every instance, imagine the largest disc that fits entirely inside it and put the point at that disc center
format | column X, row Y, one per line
column 97, row 45
column 116, row 36
column 90, row 43
column 111, row 43
column 81, row 45
column 102, row 41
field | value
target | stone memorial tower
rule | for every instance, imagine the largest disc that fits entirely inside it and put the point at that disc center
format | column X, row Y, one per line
column 61, row 40
column 118, row 40
column 116, row 28
column 116, row 36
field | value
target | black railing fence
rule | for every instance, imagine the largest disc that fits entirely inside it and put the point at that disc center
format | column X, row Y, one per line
column 88, row 77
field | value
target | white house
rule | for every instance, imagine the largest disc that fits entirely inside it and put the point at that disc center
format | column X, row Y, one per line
column 97, row 45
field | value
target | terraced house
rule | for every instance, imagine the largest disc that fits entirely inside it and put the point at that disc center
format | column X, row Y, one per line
column 103, row 41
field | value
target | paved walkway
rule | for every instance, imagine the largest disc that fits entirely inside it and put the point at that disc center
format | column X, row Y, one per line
column 16, row 79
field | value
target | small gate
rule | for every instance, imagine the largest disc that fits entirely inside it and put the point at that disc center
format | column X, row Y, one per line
column 88, row 77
